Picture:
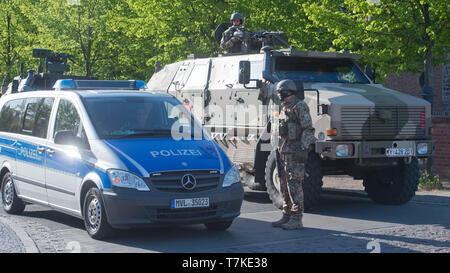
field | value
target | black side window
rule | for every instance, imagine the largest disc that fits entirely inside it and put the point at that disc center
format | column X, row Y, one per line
column 67, row 119
column 11, row 116
column 36, row 116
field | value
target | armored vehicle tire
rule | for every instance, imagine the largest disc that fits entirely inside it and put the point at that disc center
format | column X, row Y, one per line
column 95, row 216
column 224, row 225
column 312, row 185
column 10, row 201
column 394, row 186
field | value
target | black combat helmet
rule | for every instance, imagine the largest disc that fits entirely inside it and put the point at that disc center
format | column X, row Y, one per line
column 237, row 16
column 285, row 88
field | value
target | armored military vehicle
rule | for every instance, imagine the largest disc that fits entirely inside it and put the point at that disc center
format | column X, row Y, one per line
column 362, row 129
column 52, row 67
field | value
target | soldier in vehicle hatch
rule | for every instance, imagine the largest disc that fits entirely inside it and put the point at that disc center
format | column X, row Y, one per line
column 231, row 42
column 296, row 135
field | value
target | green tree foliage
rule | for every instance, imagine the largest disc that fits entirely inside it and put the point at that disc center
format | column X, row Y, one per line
column 394, row 35
column 16, row 36
column 74, row 26
column 287, row 16
column 122, row 39
column 177, row 28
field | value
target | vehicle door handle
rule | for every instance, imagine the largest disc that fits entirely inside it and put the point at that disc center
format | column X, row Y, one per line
column 50, row 151
column 41, row 149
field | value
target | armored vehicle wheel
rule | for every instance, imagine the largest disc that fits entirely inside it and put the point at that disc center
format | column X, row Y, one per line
column 312, row 184
column 394, row 186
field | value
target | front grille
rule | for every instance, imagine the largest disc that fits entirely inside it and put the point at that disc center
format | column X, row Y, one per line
column 171, row 181
column 186, row 213
column 382, row 121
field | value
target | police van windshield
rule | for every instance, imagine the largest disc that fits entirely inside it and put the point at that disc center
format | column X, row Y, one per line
column 318, row 70
column 140, row 117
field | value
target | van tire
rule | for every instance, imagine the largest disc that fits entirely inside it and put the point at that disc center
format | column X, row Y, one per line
column 95, row 219
column 222, row 225
column 394, row 186
column 11, row 203
column 312, row 185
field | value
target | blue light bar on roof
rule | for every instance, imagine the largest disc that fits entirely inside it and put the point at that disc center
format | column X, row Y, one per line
column 64, row 84
column 141, row 85
column 70, row 84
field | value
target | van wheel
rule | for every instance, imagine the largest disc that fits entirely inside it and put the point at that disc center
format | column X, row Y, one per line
column 223, row 225
column 393, row 186
column 312, row 185
column 10, row 201
column 95, row 216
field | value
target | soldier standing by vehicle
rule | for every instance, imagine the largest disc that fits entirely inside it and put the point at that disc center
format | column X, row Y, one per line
column 231, row 41
column 296, row 134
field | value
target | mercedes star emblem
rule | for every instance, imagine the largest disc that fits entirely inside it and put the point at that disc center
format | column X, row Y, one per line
column 188, row 182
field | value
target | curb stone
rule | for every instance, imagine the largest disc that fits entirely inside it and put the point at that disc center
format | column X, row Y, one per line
column 28, row 243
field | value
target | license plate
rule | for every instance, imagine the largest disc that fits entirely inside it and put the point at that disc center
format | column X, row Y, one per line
column 190, row 203
column 394, row 152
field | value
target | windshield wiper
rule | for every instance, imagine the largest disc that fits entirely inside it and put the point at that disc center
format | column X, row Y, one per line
column 143, row 133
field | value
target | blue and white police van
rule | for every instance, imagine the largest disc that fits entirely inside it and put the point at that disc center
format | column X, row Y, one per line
column 114, row 158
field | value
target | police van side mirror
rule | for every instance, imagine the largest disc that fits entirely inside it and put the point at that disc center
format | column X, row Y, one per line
column 65, row 138
column 244, row 72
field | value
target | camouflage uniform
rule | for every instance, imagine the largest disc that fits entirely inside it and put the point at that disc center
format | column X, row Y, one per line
column 298, row 134
column 229, row 42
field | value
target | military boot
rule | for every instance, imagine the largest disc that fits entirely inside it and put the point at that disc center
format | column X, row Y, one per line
column 295, row 222
column 284, row 219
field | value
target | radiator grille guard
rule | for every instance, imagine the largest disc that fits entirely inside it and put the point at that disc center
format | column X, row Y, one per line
column 375, row 122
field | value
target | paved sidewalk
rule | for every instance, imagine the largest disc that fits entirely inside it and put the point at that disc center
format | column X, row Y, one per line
column 9, row 241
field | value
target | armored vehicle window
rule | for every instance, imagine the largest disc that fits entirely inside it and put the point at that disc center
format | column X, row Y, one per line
column 67, row 119
column 136, row 116
column 318, row 70
column 36, row 117
column 11, row 115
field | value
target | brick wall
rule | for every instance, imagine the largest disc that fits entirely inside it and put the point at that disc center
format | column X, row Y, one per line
column 441, row 159
column 440, row 82
column 409, row 83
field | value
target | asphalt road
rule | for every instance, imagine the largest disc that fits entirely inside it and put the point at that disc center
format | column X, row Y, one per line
column 339, row 224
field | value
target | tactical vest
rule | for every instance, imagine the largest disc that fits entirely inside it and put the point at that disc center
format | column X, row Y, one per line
column 289, row 126
column 291, row 132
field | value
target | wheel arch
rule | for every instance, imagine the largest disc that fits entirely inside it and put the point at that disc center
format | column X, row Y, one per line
column 91, row 180
column 6, row 167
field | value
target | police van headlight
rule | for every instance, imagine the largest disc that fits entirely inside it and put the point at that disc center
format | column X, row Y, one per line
column 125, row 179
column 422, row 148
column 231, row 177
